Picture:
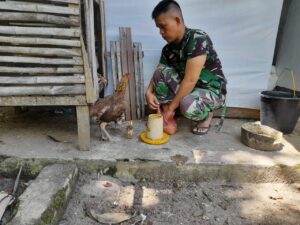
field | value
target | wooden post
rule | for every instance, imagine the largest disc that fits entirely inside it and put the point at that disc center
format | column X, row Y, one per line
column 83, row 125
column 90, row 41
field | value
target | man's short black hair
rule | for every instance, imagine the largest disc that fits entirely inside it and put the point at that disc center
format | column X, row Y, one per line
column 164, row 6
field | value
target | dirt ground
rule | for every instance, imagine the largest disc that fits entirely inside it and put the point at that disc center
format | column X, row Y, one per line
column 175, row 203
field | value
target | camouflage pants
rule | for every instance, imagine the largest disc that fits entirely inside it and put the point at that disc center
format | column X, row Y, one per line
column 195, row 106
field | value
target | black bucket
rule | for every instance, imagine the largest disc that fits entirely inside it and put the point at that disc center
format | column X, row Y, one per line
column 279, row 110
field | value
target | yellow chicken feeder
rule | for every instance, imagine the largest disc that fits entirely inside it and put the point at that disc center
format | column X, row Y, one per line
column 154, row 134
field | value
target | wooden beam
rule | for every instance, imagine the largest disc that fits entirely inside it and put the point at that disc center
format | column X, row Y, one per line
column 35, row 17
column 41, row 51
column 39, row 8
column 239, row 113
column 38, row 60
column 66, row 1
column 46, row 1
column 39, row 41
column 42, row 90
column 42, row 100
column 29, row 24
column 77, row 79
column 42, row 70
column 63, row 32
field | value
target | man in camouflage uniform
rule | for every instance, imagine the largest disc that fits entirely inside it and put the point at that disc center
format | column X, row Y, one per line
column 189, row 74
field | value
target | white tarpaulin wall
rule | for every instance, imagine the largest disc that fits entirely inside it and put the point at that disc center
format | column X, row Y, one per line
column 243, row 33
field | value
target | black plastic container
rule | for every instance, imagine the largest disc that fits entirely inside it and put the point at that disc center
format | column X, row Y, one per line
column 279, row 110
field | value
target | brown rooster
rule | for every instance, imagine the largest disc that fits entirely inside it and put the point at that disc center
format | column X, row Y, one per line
column 111, row 108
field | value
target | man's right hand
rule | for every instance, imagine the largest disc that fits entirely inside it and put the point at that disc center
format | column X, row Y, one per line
column 152, row 101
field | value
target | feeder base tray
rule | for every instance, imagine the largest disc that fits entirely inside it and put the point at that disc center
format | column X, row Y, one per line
column 147, row 140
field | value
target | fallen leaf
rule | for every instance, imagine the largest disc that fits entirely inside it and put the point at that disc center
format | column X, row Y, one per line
column 56, row 140
column 179, row 159
column 276, row 197
column 107, row 184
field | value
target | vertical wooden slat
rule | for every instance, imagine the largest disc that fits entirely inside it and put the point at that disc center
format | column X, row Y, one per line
column 93, row 46
column 124, row 63
column 113, row 62
column 131, row 71
column 87, row 26
column 103, row 37
column 119, row 65
column 142, row 85
column 137, row 79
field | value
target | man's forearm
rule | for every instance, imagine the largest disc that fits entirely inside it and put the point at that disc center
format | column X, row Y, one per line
column 150, row 88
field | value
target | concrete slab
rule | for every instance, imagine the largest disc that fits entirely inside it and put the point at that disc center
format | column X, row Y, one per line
column 44, row 201
column 27, row 136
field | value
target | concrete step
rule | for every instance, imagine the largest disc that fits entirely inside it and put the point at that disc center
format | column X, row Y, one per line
column 45, row 199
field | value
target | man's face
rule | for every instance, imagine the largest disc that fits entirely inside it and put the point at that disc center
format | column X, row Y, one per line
column 168, row 27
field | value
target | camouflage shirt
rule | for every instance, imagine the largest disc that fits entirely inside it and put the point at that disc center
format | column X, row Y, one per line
column 196, row 43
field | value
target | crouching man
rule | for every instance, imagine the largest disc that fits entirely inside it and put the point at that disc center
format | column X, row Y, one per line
column 189, row 75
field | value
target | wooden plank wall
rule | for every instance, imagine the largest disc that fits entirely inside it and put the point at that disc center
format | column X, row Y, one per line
column 127, row 57
column 40, row 48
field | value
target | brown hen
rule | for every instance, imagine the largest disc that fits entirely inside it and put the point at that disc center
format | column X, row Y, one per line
column 112, row 107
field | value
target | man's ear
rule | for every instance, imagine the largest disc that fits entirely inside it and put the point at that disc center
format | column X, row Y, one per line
column 178, row 20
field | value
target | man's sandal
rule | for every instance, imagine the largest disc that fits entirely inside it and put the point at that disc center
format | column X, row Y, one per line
column 196, row 129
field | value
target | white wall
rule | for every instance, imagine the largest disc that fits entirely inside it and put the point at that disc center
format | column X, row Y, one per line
column 289, row 51
column 243, row 32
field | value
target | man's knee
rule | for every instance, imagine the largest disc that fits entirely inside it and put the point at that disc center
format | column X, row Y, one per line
column 185, row 104
column 157, row 75
column 165, row 73
column 191, row 109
